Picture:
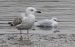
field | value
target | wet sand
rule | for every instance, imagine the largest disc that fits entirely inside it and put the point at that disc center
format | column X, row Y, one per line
column 38, row 40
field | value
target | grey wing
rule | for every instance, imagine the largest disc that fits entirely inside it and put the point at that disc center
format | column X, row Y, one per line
column 44, row 24
column 17, row 21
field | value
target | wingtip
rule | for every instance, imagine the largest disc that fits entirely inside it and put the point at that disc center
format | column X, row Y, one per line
column 10, row 23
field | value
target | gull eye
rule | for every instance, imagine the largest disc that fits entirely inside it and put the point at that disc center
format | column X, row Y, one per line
column 55, row 20
column 31, row 10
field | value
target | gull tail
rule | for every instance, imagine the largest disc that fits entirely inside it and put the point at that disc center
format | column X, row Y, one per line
column 10, row 23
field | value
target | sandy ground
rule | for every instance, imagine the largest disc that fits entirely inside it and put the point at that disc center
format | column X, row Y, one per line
column 37, row 40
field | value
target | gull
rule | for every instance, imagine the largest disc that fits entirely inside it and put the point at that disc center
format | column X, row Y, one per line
column 26, row 20
column 48, row 24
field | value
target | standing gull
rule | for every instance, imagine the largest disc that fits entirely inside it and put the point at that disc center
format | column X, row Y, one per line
column 48, row 24
column 25, row 21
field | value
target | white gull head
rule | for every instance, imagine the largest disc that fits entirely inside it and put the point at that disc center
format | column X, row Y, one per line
column 31, row 10
column 54, row 19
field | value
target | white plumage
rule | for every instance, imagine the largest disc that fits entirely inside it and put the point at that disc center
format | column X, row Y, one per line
column 26, row 20
column 47, row 24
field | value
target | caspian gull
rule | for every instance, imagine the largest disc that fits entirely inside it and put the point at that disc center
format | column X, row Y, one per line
column 47, row 24
column 26, row 21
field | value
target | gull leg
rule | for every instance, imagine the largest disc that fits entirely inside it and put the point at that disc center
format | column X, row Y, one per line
column 28, row 34
column 21, row 38
column 28, row 38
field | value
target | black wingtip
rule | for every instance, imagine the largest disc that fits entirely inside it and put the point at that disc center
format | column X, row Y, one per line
column 10, row 23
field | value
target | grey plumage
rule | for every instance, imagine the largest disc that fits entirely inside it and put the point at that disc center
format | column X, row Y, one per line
column 16, row 21
column 44, row 24
column 47, row 24
column 26, row 20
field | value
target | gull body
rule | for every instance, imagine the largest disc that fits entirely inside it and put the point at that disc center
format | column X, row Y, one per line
column 50, row 24
column 26, row 20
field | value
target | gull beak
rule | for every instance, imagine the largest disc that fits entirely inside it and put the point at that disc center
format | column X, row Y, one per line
column 38, row 11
